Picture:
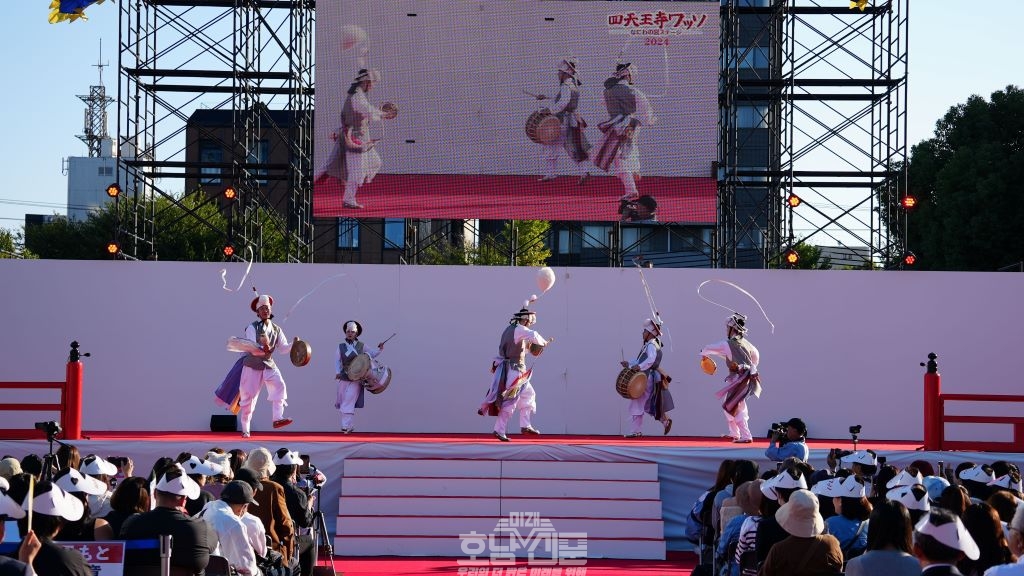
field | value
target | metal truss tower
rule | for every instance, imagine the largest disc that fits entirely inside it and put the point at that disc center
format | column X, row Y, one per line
column 251, row 59
column 814, row 106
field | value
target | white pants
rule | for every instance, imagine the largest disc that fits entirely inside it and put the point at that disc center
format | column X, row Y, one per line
column 526, row 403
column 251, row 383
column 362, row 167
column 551, row 154
column 738, row 424
column 348, row 394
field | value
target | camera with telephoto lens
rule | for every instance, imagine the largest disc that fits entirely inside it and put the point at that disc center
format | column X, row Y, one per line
column 312, row 480
column 780, row 429
column 51, row 428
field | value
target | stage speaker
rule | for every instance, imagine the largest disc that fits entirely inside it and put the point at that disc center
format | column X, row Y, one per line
column 224, row 423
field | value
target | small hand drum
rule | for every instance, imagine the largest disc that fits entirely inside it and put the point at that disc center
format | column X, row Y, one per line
column 631, row 383
column 390, row 110
column 358, row 367
column 536, row 349
column 301, row 352
column 708, row 365
column 378, row 378
column 543, row 127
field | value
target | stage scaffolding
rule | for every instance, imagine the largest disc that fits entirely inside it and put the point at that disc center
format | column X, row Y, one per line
column 252, row 59
column 814, row 104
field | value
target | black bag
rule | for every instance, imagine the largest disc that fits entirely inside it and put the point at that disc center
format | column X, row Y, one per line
column 272, row 564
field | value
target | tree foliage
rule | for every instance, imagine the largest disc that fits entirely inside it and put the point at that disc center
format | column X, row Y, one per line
column 810, row 258
column 192, row 228
column 12, row 245
column 530, row 247
column 969, row 183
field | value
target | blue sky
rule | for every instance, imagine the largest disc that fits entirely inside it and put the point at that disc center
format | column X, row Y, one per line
column 956, row 49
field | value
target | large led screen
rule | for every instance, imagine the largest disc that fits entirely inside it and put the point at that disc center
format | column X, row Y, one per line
column 530, row 110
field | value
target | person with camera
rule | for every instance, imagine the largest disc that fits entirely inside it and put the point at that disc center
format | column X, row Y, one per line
column 300, row 505
column 788, row 440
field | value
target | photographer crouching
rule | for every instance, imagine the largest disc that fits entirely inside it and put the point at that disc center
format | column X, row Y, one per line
column 788, row 439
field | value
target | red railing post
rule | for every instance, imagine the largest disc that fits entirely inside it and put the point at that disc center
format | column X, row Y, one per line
column 73, row 397
column 933, row 428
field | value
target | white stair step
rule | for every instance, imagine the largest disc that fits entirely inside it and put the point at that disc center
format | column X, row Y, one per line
column 420, row 506
column 348, row 525
column 420, row 487
column 415, row 468
column 580, row 507
column 580, row 489
column 635, row 549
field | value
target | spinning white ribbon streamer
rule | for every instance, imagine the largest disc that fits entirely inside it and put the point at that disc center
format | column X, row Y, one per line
column 299, row 301
column 763, row 313
column 224, row 273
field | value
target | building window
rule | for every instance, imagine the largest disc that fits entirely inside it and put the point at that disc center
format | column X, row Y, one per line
column 394, row 234
column 105, row 171
column 348, row 233
column 210, row 151
column 260, row 155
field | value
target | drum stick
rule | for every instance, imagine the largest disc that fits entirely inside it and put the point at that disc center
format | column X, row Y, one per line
column 389, row 338
column 536, row 96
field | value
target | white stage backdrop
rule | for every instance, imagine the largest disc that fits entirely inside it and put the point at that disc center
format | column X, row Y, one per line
column 846, row 347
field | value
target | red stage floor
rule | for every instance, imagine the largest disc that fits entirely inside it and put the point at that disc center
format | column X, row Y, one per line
column 678, row 564
column 485, row 438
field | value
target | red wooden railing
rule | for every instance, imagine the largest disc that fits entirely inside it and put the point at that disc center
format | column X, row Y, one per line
column 935, row 417
column 69, row 406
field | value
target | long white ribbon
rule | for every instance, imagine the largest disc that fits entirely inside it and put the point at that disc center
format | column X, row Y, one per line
column 224, row 273
column 763, row 313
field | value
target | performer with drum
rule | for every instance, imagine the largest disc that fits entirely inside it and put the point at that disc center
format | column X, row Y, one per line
column 352, row 363
column 571, row 138
column 355, row 159
column 742, row 358
column 628, row 110
column 259, row 368
column 655, row 399
column 511, row 389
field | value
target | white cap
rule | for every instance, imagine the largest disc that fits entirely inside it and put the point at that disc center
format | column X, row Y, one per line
column 860, row 457
column 94, row 465
column 285, row 457
column 952, row 534
column 977, row 474
column 8, row 507
column 783, row 480
column 176, row 481
column 913, row 500
column 71, row 480
column 847, row 487
column 51, row 500
column 1007, row 481
column 904, row 478
column 195, row 465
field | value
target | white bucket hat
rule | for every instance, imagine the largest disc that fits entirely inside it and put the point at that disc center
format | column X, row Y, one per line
column 94, row 465
column 905, row 478
column 847, row 487
column 799, row 515
column 860, row 457
column 71, row 480
column 285, row 457
column 51, row 500
column 952, row 534
column 913, row 497
column 176, row 481
column 977, row 474
column 196, row 465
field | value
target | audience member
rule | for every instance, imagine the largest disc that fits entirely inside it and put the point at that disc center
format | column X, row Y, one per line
column 940, row 541
column 954, row 498
column 224, row 516
column 1016, row 546
column 807, row 551
column 850, row 524
column 273, row 508
column 982, row 523
column 300, row 506
column 131, row 497
column 977, row 479
column 51, row 507
column 779, row 489
column 30, row 545
column 198, row 470
column 193, row 541
column 80, row 486
column 889, row 548
column 915, row 498
column 9, row 467
column 102, row 470
column 795, row 445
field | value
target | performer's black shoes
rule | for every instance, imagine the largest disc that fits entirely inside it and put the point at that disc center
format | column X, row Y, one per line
column 530, row 430
column 634, row 435
column 583, row 179
column 500, row 436
column 741, row 441
column 282, row 422
column 668, row 426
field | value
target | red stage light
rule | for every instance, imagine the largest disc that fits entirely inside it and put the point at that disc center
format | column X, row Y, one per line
column 113, row 190
column 909, row 259
column 793, row 200
column 908, row 202
column 230, row 193
column 229, row 250
column 791, row 257
column 113, row 248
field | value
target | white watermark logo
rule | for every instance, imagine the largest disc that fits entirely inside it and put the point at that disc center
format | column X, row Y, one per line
column 525, row 535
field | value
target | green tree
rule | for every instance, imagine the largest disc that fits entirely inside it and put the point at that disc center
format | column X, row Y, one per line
column 12, row 245
column 969, row 183
column 810, row 258
column 192, row 228
column 497, row 249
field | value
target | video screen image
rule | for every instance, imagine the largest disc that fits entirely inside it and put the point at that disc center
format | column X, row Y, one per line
column 542, row 110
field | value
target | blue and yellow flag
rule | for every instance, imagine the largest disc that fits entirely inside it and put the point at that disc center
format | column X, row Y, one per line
column 69, row 10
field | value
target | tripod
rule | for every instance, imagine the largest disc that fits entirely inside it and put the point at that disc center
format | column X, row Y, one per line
column 320, row 532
